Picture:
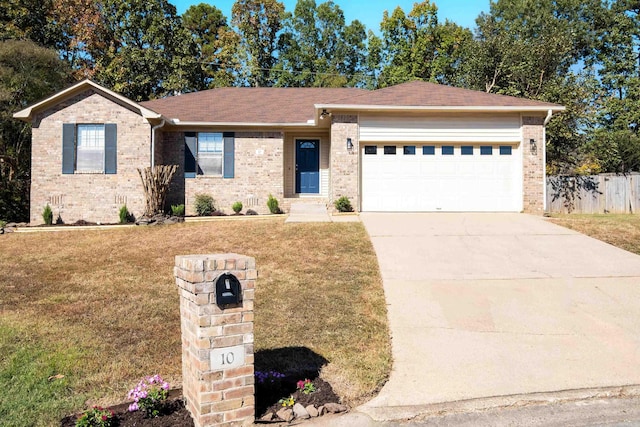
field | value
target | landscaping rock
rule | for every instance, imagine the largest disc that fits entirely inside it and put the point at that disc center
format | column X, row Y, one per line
column 335, row 408
column 251, row 212
column 300, row 412
column 312, row 411
column 269, row 416
column 159, row 220
column 285, row 414
column 11, row 225
column 321, row 410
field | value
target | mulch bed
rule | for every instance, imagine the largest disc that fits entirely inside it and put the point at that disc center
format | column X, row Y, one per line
column 174, row 414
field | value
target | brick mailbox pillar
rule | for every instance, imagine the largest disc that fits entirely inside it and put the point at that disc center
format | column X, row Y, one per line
column 217, row 337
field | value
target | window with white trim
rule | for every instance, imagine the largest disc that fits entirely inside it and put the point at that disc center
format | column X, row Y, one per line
column 209, row 154
column 90, row 148
column 210, row 149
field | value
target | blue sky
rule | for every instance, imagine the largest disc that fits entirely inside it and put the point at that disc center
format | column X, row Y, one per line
column 369, row 12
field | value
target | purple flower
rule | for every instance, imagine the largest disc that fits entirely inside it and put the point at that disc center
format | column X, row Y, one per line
column 133, row 407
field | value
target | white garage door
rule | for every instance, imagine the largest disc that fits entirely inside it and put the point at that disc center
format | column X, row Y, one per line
column 448, row 177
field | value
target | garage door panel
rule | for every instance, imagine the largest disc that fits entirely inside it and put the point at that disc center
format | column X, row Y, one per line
column 437, row 182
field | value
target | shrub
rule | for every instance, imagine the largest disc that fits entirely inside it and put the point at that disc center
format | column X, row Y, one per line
column 272, row 204
column 237, row 207
column 96, row 417
column 251, row 212
column 204, row 204
column 149, row 396
column 124, row 214
column 177, row 210
column 343, row 204
column 47, row 215
column 2, row 223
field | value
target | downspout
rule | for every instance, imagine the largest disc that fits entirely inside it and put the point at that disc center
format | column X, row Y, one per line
column 544, row 160
column 153, row 142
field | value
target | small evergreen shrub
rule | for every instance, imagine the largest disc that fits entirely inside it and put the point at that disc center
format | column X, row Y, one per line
column 343, row 204
column 124, row 214
column 47, row 215
column 237, row 207
column 204, row 204
column 177, row 210
column 272, row 204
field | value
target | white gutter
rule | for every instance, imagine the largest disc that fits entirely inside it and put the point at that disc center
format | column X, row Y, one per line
column 544, row 160
column 238, row 124
column 153, row 142
column 437, row 108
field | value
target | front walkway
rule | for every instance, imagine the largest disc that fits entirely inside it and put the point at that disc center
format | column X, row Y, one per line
column 317, row 212
column 487, row 306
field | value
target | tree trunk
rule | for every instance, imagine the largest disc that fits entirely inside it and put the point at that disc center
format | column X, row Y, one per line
column 155, row 182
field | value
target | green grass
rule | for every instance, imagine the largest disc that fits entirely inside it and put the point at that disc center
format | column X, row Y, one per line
column 102, row 309
column 35, row 379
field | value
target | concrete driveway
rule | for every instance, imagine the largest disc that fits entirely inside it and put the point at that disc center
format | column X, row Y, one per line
column 487, row 306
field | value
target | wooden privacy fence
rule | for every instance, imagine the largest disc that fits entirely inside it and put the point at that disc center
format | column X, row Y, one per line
column 604, row 193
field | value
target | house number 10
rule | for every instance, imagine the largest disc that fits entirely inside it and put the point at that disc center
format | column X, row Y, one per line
column 227, row 357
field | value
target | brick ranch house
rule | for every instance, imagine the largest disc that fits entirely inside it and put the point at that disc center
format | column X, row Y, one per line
column 412, row 147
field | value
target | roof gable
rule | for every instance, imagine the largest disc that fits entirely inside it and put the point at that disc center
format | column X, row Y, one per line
column 27, row 113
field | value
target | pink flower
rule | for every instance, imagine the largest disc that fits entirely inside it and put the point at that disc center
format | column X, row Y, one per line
column 133, row 407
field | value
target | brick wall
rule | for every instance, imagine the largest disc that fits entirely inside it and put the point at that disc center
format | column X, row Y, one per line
column 344, row 163
column 533, row 165
column 215, row 394
column 170, row 146
column 91, row 197
column 259, row 171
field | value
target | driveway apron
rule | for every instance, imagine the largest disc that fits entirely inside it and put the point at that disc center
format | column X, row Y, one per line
column 490, row 305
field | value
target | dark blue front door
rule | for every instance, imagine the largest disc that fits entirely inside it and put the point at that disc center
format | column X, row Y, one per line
column 307, row 166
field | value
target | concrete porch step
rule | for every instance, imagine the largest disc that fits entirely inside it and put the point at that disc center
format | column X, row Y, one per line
column 308, row 212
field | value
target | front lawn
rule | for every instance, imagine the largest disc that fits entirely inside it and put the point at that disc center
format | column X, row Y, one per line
column 86, row 314
column 622, row 231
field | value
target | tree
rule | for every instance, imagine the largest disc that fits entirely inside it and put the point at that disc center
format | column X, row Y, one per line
column 317, row 49
column 217, row 46
column 83, row 35
column 534, row 49
column 417, row 46
column 150, row 53
column 258, row 23
column 616, row 141
column 29, row 20
column 28, row 73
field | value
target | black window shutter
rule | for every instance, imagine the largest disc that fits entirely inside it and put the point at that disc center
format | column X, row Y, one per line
column 110, row 148
column 229, row 155
column 190, row 144
column 68, row 148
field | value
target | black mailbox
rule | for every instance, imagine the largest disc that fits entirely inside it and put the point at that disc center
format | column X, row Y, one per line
column 228, row 290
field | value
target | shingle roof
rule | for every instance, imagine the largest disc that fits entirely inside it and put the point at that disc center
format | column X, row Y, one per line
column 423, row 94
column 248, row 104
column 297, row 105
